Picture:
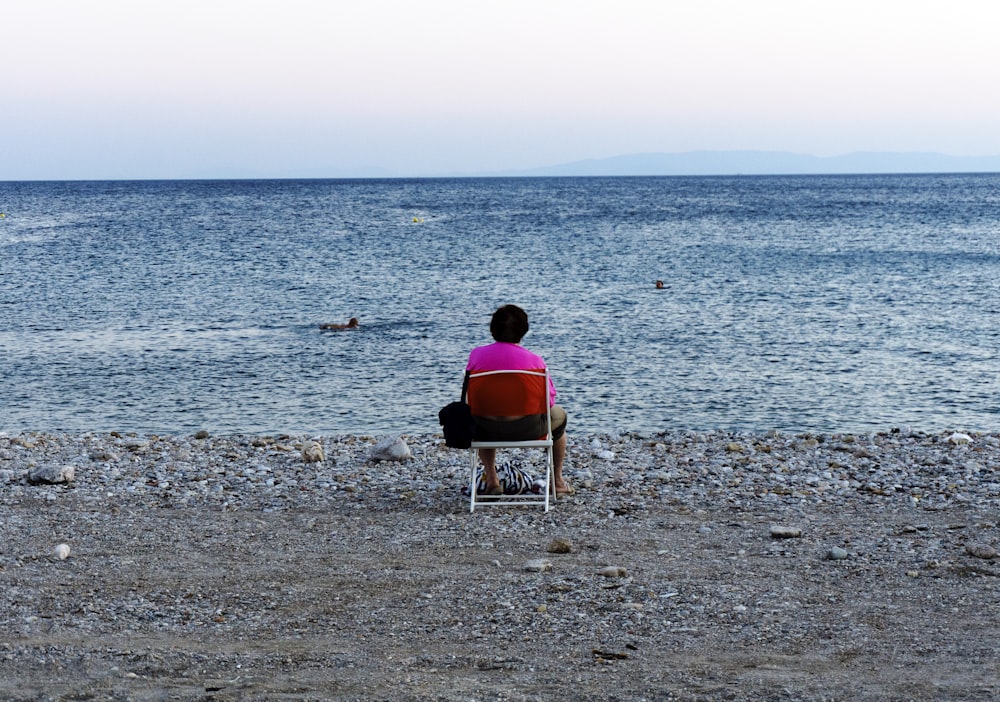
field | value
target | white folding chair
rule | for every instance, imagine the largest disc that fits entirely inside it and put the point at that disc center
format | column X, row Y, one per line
column 511, row 393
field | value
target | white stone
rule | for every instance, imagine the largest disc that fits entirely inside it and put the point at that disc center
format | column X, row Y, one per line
column 312, row 452
column 61, row 552
column 958, row 439
column 51, row 474
column 391, row 449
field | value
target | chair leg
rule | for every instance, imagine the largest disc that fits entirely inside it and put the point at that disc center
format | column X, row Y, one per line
column 472, row 479
column 549, row 479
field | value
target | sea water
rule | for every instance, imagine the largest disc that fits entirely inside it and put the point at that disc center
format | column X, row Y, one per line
column 806, row 303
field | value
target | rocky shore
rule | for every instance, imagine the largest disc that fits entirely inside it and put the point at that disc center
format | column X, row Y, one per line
column 688, row 566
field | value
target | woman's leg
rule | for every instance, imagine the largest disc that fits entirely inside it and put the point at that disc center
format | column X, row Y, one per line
column 558, row 456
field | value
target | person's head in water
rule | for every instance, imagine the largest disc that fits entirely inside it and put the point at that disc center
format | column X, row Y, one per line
column 509, row 324
column 353, row 324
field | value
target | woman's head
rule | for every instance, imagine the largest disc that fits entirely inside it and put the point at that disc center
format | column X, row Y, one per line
column 509, row 324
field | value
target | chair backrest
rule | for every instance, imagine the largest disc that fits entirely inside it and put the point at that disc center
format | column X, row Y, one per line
column 508, row 393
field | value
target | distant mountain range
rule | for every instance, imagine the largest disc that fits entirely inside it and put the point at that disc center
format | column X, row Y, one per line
column 689, row 163
column 764, row 163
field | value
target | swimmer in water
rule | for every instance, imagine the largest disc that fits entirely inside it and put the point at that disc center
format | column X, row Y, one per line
column 659, row 285
column 352, row 324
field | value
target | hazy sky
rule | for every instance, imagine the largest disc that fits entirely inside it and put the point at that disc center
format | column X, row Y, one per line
column 186, row 88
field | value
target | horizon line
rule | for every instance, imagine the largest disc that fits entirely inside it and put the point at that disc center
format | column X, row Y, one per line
column 699, row 163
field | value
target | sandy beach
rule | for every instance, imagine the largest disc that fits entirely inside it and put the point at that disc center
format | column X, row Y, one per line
column 687, row 566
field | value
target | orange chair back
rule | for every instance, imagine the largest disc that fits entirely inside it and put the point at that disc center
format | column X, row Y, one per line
column 508, row 394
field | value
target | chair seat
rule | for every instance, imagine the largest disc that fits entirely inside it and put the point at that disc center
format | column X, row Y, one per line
column 533, row 443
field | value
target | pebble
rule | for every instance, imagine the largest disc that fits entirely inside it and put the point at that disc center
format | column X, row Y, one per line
column 538, row 565
column 959, row 439
column 837, row 554
column 51, row 475
column 560, row 546
column 613, row 572
column 785, row 532
column 312, row 452
column 981, row 551
column 391, row 449
column 61, row 552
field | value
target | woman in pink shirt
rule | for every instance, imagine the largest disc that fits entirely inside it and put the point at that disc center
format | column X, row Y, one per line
column 508, row 326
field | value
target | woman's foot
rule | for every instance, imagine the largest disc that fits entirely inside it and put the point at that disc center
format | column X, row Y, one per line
column 492, row 489
column 563, row 488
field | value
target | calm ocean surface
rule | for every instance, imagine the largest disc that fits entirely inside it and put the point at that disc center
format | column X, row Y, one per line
column 841, row 303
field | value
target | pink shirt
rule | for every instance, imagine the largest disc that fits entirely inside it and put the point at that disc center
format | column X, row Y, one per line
column 503, row 356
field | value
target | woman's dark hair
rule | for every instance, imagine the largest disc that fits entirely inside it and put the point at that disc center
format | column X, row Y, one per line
column 509, row 324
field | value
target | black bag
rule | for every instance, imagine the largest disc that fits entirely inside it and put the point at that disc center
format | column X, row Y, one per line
column 456, row 418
